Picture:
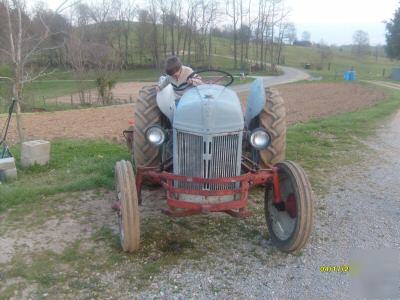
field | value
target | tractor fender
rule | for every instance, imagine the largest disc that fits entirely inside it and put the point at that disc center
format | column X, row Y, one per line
column 166, row 102
column 255, row 101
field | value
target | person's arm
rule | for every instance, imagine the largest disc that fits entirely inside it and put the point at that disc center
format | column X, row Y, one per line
column 195, row 80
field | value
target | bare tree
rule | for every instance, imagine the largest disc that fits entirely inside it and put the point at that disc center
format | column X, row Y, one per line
column 187, row 28
column 164, row 16
column 233, row 11
column 126, row 15
column 279, row 24
column 273, row 23
column 360, row 43
column 208, row 9
column 23, row 45
column 190, row 28
column 179, row 14
column 290, row 33
column 100, row 11
column 325, row 54
column 142, row 33
column 153, row 14
column 249, row 30
column 260, row 34
column 77, row 46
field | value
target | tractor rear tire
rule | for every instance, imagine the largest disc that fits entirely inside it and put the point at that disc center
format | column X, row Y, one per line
column 273, row 119
column 147, row 114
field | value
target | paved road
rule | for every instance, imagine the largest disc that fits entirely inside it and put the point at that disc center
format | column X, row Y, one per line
column 290, row 75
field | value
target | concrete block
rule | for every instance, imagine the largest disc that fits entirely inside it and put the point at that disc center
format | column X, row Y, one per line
column 35, row 152
column 30, row 161
column 35, row 148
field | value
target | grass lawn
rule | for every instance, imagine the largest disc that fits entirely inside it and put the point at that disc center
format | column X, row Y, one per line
column 74, row 166
column 367, row 67
column 54, row 88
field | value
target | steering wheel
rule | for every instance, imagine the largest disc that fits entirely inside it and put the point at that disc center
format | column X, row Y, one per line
column 212, row 79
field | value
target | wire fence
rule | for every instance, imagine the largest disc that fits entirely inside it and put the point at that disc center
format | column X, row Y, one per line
column 89, row 98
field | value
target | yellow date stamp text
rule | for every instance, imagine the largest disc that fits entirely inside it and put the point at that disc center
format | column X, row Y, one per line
column 335, row 269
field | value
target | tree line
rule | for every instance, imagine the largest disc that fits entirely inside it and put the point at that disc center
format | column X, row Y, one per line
column 125, row 34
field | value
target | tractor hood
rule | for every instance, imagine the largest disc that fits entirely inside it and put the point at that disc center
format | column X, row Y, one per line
column 209, row 109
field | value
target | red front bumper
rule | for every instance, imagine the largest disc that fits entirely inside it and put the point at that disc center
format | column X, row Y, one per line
column 237, row 208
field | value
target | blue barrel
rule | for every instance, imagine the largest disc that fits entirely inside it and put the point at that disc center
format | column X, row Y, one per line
column 349, row 75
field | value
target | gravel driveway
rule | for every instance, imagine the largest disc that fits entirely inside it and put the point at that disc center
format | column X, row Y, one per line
column 357, row 223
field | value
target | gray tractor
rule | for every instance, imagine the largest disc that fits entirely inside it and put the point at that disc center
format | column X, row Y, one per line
column 207, row 153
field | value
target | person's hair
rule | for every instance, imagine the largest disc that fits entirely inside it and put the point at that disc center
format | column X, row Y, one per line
column 172, row 65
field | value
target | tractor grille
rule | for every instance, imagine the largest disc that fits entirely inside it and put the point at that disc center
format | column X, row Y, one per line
column 207, row 157
column 224, row 159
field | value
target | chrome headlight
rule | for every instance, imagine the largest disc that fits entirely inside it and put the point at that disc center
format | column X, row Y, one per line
column 260, row 139
column 155, row 135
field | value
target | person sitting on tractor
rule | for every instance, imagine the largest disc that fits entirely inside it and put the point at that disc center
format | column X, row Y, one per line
column 177, row 76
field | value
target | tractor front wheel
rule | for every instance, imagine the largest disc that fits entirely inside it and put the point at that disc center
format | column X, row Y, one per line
column 128, row 212
column 290, row 222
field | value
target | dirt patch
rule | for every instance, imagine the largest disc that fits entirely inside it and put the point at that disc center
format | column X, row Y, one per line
column 80, row 215
column 92, row 123
column 314, row 100
column 54, row 235
column 65, row 220
column 303, row 102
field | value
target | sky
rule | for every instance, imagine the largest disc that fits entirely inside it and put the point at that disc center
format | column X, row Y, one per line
column 333, row 21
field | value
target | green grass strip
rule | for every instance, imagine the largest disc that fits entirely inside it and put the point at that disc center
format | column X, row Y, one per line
column 74, row 166
column 323, row 144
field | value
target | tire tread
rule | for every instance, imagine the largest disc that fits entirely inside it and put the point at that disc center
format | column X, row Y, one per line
column 273, row 119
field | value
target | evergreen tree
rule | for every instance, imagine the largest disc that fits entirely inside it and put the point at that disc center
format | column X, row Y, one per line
column 393, row 36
